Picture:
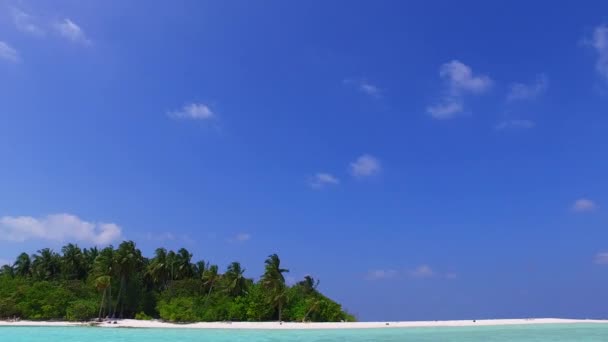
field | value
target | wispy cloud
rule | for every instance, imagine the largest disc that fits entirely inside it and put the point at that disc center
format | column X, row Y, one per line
column 583, row 205
column 71, row 31
column 240, row 238
column 522, row 91
column 601, row 258
column 599, row 41
column 381, row 274
column 459, row 81
column 365, row 166
column 192, row 111
column 515, row 124
column 422, row 271
column 364, row 86
column 57, row 227
column 8, row 53
column 164, row 236
column 446, row 110
column 25, row 22
column 322, row 179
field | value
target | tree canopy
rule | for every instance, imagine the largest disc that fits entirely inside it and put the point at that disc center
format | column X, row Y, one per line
column 83, row 284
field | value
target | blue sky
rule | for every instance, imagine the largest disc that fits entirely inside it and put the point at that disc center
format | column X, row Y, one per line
column 424, row 160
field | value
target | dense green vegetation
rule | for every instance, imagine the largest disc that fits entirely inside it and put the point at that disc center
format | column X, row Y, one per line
column 81, row 284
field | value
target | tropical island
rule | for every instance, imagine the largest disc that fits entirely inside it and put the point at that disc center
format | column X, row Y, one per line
column 111, row 283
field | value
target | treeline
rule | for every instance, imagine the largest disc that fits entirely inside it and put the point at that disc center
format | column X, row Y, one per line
column 83, row 284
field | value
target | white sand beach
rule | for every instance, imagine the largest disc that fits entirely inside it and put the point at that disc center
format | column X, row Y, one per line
column 131, row 323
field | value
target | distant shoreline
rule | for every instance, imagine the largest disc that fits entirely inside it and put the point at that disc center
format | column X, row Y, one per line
column 131, row 323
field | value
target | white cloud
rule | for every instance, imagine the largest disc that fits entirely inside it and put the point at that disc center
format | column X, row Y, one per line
column 521, row 91
column 381, row 274
column 599, row 42
column 601, row 258
column 507, row 124
column 25, row 23
column 322, row 179
column 583, row 205
column 57, row 227
column 445, row 110
column 364, row 87
column 460, row 81
column 422, row 271
column 8, row 53
column 193, row 111
column 69, row 30
column 366, row 165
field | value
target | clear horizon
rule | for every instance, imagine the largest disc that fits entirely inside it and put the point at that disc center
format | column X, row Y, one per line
column 425, row 160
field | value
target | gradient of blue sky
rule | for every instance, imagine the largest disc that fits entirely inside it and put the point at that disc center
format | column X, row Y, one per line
column 424, row 159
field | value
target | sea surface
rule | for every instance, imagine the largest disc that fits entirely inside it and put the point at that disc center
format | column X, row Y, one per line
column 523, row 333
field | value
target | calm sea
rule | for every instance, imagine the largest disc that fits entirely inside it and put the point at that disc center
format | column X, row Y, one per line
column 538, row 333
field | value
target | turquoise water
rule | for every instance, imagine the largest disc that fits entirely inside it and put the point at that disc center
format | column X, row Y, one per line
column 538, row 333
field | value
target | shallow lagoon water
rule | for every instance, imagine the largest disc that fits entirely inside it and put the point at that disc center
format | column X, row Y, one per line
column 523, row 333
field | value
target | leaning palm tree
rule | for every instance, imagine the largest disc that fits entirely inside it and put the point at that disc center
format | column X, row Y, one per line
column 273, row 281
column 313, row 306
column 23, row 265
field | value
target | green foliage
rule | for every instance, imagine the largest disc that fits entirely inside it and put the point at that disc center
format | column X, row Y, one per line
column 81, row 310
column 142, row 316
column 180, row 309
column 82, row 284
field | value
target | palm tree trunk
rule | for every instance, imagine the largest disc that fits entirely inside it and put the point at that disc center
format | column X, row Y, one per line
column 103, row 299
column 118, row 298
column 109, row 301
column 280, row 310
column 208, row 294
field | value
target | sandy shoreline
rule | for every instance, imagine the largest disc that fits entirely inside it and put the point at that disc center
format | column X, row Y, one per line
column 131, row 323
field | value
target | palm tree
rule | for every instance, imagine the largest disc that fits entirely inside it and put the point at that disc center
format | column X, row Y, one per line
column 210, row 277
column 171, row 263
column 236, row 280
column 102, row 284
column 309, row 285
column 23, row 265
column 183, row 264
column 158, row 269
column 127, row 261
column 7, row 270
column 46, row 264
column 89, row 255
column 73, row 262
column 313, row 305
column 274, row 281
column 199, row 268
column 104, row 267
